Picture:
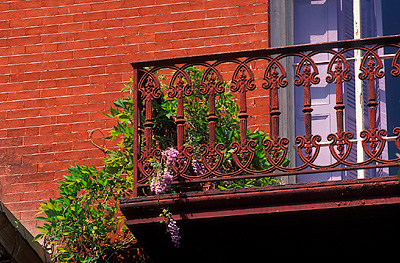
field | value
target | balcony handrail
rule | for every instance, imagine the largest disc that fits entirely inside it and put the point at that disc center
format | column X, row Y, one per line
column 147, row 87
column 392, row 39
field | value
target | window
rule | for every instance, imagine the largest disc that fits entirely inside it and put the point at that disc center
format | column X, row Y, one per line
column 316, row 21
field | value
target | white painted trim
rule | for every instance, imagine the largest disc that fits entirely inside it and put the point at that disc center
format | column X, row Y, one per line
column 358, row 86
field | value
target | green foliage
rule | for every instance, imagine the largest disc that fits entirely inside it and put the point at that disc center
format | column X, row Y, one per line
column 122, row 112
column 84, row 224
column 226, row 130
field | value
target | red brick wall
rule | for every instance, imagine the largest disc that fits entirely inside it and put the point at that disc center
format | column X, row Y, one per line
column 63, row 62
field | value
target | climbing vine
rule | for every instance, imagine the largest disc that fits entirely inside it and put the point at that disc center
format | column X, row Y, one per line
column 84, row 224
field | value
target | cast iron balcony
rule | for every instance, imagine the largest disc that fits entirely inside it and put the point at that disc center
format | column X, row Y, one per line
column 265, row 70
column 242, row 77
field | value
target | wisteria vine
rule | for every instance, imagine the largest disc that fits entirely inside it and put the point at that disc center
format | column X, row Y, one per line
column 172, row 227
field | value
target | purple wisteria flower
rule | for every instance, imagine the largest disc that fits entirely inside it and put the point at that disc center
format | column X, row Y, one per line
column 171, row 155
column 198, row 167
column 163, row 180
column 173, row 230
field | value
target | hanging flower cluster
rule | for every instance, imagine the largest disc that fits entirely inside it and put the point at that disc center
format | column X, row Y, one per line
column 163, row 180
column 173, row 230
column 172, row 227
column 164, row 176
column 198, row 167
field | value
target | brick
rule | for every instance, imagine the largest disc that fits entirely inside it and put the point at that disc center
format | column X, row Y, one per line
column 12, row 123
column 55, row 92
column 46, row 186
column 11, row 198
column 25, row 40
column 168, row 17
column 89, row 52
column 37, row 177
column 70, row 100
column 55, row 129
column 220, row 4
column 11, row 161
column 155, row 28
column 204, row 50
column 38, row 121
column 28, row 215
column 50, row 3
column 109, row 5
column 124, row 13
column 107, row 23
column 23, row 168
column 90, row 16
column 41, row 139
column 72, row 155
column 55, row 147
column 60, row 55
column 71, row 137
column 73, row 45
column 22, row 206
column 155, row 46
column 73, row 9
column 62, row 65
column 82, row 117
column 93, row 107
column 23, row 113
column 88, row 71
column 73, row 27
column 106, row 42
column 54, row 166
column 116, row 68
column 138, row 4
column 217, row 22
column 136, row 20
column 26, row 150
column 40, row 12
column 203, row 32
column 218, row 40
column 107, row 78
column 13, row 14
column 85, row 35
column 185, row 7
column 40, row 102
column 11, row 179
column 237, row 29
column 10, row 142
column 73, row 81
column 5, row 6
column 37, row 158
column 53, row 38
column 252, row 19
column 15, row 132
column 103, row 60
column 16, row 32
column 27, row 22
column 184, row 25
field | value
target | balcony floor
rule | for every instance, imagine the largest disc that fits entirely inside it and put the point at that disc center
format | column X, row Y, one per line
column 340, row 218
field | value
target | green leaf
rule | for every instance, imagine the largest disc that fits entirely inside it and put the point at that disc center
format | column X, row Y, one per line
column 124, row 117
column 38, row 237
column 43, row 230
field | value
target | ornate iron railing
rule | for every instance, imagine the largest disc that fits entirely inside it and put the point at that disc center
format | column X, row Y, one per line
column 147, row 88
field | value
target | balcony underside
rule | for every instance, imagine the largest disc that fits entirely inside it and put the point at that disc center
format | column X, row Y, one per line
column 296, row 220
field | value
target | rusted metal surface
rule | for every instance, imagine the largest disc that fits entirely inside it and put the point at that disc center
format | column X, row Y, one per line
column 147, row 88
column 318, row 196
column 306, row 221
